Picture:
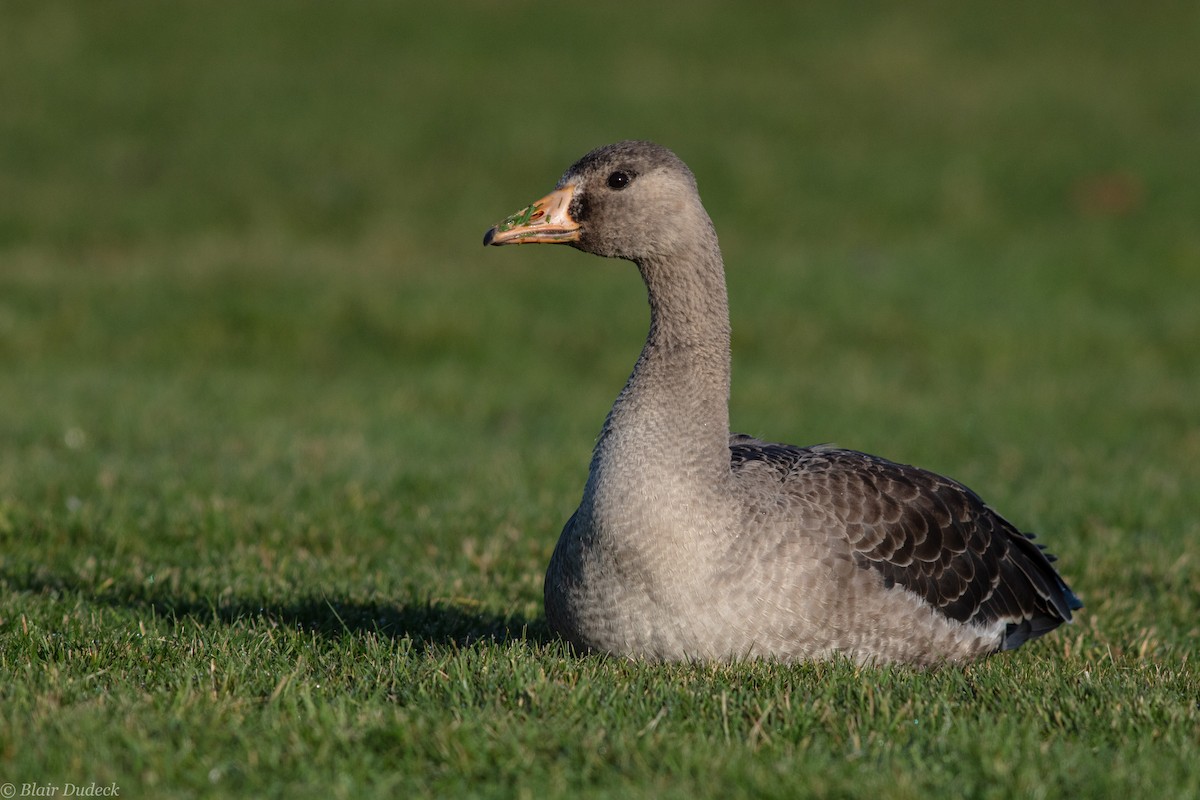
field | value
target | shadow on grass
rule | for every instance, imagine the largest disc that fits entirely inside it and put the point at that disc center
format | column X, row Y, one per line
column 428, row 623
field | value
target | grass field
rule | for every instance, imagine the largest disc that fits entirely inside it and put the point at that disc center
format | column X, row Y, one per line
column 284, row 451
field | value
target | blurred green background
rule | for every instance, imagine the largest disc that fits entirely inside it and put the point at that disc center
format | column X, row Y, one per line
column 252, row 352
column 951, row 233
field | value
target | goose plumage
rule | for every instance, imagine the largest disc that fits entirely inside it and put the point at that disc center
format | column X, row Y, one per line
column 691, row 543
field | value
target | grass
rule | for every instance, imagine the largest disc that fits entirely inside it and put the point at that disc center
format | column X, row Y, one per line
column 284, row 452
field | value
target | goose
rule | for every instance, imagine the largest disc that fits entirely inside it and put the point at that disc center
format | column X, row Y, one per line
column 694, row 544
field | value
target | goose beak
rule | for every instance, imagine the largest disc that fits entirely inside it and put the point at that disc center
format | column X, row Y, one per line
column 548, row 221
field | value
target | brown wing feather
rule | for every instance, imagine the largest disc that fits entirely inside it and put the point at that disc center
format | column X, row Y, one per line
column 929, row 534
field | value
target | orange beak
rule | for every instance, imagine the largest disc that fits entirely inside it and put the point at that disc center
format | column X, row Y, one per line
column 548, row 221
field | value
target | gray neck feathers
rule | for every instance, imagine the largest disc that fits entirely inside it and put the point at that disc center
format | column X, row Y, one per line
column 673, row 413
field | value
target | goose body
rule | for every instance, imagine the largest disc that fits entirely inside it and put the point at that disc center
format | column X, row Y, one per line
column 694, row 544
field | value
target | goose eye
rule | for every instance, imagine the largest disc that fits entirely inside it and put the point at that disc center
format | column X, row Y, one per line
column 618, row 180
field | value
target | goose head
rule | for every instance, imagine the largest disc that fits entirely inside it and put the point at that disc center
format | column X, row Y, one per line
column 633, row 200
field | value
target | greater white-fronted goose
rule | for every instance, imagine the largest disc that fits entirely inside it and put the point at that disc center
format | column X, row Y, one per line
column 694, row 544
